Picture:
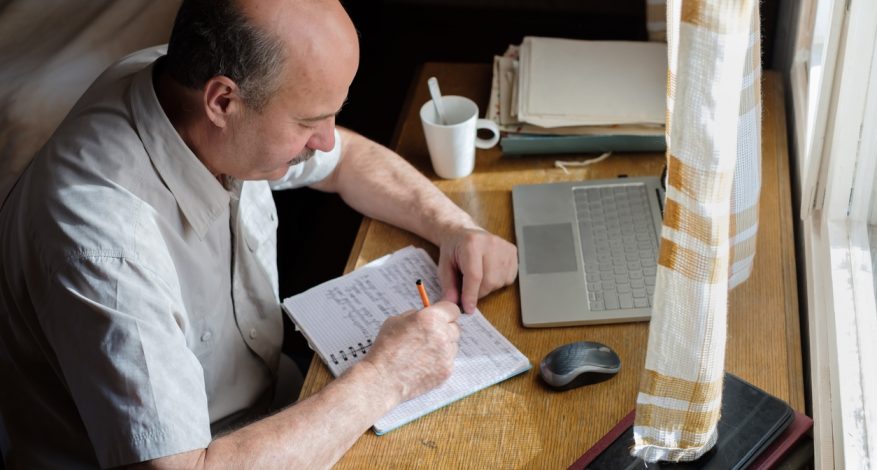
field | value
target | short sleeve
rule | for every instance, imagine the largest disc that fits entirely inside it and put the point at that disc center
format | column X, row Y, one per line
column 312, row 171
column 116, row 332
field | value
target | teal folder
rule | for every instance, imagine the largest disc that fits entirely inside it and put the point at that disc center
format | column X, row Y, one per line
column 533, row 144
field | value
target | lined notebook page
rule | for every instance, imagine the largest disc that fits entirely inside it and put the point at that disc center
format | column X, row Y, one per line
column 341, row 319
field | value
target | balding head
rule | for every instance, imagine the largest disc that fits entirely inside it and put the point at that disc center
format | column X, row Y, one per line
column 260, row 44
column 318, row 37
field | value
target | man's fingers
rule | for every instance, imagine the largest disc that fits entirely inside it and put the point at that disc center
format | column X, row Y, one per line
column 512, row 269
column 494, row 276
column 446, row 311
column 472, row 276
column 484, row 261
column 454, row 332
column 499, row 271
column 449, row 279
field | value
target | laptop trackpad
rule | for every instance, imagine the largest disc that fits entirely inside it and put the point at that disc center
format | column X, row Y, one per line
column 549, row 249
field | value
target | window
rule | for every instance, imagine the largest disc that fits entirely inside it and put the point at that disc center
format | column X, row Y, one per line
column 834, row 89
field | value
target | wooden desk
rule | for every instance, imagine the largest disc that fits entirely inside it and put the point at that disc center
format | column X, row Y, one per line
column 519, row 423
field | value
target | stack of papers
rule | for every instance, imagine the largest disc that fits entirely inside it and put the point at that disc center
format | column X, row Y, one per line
column 552, row 95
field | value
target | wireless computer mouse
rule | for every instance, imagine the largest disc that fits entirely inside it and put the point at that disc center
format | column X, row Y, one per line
column 581, row 363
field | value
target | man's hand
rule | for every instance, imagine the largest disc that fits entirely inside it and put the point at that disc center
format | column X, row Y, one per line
column 415, row 351
column 380, row 184
column 484, row 261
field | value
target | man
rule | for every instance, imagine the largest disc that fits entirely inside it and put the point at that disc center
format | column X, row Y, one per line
column 138, row 287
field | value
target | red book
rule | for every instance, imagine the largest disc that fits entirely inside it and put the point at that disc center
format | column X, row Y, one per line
column 784, row 443
column 604, row 442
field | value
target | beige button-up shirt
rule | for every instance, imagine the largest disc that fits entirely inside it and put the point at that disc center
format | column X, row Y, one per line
column 138, row 295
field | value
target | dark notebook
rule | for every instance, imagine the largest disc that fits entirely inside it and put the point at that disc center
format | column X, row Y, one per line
column 752, row 423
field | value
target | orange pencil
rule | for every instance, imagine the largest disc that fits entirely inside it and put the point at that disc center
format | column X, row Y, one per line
column 423, row 296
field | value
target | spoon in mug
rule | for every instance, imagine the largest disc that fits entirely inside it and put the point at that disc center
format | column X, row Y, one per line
column 432, row 83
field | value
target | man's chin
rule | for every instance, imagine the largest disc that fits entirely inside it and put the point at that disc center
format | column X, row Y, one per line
column 279, row 173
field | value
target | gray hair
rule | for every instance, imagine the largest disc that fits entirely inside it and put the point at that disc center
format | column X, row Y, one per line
column 212, row 38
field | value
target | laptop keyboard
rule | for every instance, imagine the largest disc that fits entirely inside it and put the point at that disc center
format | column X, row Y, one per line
column 619, row 245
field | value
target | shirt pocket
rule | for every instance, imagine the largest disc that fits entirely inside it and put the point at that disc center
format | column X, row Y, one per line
column 261, row 230
column 259, row 226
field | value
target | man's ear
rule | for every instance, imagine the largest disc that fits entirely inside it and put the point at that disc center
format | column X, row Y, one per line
column 222, row 100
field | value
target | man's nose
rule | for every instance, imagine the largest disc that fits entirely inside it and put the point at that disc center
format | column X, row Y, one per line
column 324, row 137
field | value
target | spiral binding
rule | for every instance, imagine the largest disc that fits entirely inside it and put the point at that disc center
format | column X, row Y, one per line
column 351, row 352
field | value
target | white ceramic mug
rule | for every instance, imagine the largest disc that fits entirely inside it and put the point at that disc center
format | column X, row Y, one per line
column 452, row 145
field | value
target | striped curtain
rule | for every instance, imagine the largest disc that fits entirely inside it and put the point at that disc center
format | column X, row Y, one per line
column 710, row 218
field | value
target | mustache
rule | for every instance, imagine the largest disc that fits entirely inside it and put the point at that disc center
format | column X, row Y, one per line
column 302, row 157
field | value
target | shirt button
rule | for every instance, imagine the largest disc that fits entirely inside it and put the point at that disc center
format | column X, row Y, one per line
column 206, row 336
column 252, row 333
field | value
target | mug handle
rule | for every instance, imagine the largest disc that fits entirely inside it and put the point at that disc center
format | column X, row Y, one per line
column 492, row 127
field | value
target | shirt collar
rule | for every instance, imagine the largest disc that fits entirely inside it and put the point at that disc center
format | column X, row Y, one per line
column 199, row 195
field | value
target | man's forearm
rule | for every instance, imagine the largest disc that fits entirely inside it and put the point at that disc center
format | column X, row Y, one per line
column 314, row 433
column 378, row 183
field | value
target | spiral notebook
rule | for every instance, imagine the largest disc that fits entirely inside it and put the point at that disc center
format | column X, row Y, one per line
column 341, row 318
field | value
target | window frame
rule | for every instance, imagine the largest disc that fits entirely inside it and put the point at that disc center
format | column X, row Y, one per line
column 837, row 149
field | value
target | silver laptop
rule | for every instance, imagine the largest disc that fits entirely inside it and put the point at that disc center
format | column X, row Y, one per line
column 588, row 250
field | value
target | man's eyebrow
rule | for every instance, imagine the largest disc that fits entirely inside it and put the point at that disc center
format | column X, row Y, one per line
column 320, row 117
column 324, row 116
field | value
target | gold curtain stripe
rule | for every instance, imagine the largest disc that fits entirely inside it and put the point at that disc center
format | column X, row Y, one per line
column 750, row 97
column 679, row 218
column 682, row 176
column 699, row 393
column 671, row 92
column 753, row 58
column 727, row 17
column 683, row 445
column 671, row 83
column 691, row 264
column 743, row 220
column 695, row 422
column 742, row 250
